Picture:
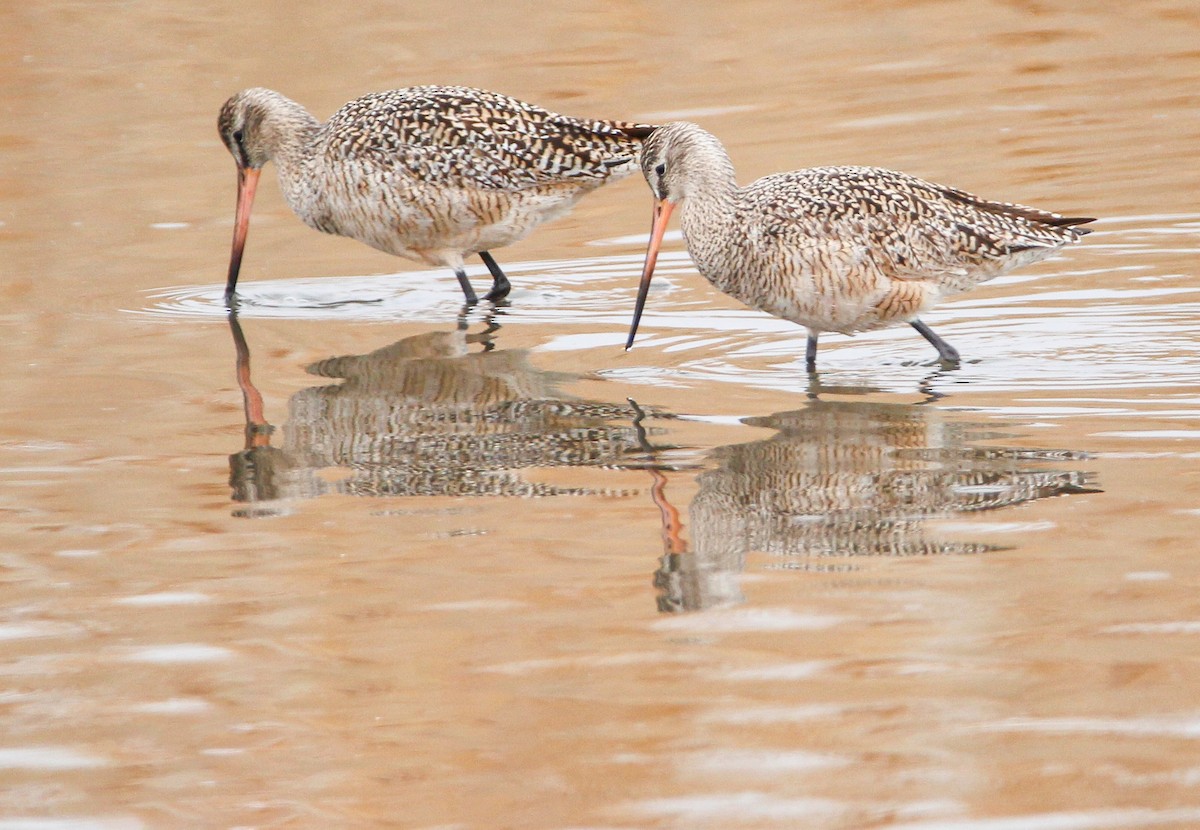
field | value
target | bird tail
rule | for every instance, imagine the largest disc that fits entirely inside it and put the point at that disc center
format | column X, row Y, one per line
column 1073, row 223
column 1029, row 214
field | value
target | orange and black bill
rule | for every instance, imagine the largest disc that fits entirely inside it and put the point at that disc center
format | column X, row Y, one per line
column 247, row 182
column 662, row 213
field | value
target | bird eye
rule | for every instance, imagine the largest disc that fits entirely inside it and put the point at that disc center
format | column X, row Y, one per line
column 660, row 168
column 237, row 136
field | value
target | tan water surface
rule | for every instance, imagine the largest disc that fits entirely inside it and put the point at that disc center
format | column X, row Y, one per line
column 356, row 557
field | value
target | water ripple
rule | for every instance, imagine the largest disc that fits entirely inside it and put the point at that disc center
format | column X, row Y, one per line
column 1127, row 321
column 48, row 758
column 566, row 290
column 1081, row 820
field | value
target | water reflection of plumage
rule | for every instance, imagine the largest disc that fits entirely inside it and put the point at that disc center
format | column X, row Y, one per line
column 441, row 413
column 848, row 479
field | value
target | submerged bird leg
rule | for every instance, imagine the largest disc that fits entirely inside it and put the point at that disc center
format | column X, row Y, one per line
column 500, row 284
column 810, row 352
column 814, row 390
column 468, row 291
column 948, row 353
column 491, row 326
column 925, row 387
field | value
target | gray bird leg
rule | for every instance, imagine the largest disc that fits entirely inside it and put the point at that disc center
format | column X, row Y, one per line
column 948, row 353
column 468, row 291
column 500, row 284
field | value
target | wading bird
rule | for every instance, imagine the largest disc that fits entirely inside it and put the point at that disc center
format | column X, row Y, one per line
column 431, row 173
column 843, row 249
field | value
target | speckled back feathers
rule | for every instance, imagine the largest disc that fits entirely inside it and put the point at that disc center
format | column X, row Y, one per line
column 915, row 229
column 475, row 138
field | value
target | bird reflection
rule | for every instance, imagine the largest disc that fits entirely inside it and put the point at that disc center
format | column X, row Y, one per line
column 443, row 413
column 841, row 480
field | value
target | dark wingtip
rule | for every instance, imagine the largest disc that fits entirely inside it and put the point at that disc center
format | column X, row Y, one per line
column 1073, row 221
column 637, row 130
column 619, row 161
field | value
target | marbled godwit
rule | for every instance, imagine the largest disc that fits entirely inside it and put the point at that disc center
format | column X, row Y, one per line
column 430, row 173
column 843, row 249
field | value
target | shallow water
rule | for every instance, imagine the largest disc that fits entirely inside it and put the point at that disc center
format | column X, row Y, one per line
column 357, row 556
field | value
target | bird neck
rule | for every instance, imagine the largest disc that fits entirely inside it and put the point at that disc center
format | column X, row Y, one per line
column 289, row 135
column 287, row 131
column 707, row 176
column 708, row 209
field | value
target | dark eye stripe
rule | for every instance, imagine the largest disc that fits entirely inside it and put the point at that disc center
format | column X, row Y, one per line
column 239, row 148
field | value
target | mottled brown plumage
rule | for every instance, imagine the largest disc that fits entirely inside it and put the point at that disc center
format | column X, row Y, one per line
column 842, row 249
column 431, row 173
